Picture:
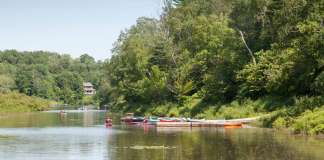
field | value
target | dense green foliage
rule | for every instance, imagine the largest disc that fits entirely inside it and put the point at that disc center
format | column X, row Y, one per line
column 47, row 75
column 17, row 102
column 221, row 58
column 304, row 116
column 310, row 122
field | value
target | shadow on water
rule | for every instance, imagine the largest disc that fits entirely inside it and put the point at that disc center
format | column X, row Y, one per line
column 81, row 135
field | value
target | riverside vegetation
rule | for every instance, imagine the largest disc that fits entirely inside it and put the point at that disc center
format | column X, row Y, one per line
column 223, row 59
column 45, row 75
column 16, row 102
column 203, row 59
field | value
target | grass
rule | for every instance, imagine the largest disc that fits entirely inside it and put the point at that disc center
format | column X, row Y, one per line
column 310, row 122
column 304, row 116
column 300, row 114
column 16, row 102
column 195, row 108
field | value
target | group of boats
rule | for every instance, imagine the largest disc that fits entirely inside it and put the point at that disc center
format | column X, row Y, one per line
column 130, row 119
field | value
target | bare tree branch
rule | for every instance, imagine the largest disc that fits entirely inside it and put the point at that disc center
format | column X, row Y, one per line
column 247, row 47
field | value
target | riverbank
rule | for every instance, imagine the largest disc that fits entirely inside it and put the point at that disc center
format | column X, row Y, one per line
column 16, row 102
column 302, row 115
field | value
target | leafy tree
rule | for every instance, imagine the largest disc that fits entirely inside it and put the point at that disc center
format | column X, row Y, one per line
column 6, row 83
column 217, row 51
column 36, row 74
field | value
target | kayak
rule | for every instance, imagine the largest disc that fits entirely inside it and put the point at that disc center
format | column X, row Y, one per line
column 133, row 120
column 199, row 124
column 167, row 119
column 232, row 125
column 151, row 121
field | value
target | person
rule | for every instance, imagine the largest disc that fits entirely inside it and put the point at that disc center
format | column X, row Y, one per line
column 145, row 121
column 108, row 122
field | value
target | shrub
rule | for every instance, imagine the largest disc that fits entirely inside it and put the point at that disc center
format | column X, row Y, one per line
column 279, row 123
column 306, row 103
column 310, row 122
column 236, row 112
column 16, row 102
column 209, row 113
column 168, row 109
column 231, row 111
column 88, row 100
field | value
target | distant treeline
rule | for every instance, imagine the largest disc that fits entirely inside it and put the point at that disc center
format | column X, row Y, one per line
column 215, row 52
column 47, row 75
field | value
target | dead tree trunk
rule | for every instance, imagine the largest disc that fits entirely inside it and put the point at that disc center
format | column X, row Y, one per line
column 247, row 47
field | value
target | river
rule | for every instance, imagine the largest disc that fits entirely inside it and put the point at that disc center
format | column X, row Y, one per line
column 82, row 136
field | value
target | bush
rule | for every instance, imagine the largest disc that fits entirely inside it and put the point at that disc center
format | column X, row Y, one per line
column 285, row 115
column 279, row 123
column 168, row 109
column 230, row 111
column 88, row 100
column 310, row 122
column 272, row 117
column 306, row 103
column 209, row 113
column 16, row 102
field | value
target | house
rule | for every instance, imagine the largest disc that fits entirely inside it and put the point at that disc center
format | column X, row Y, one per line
column 88, row 89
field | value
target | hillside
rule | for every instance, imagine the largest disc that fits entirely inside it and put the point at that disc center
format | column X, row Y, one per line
column 48, row 75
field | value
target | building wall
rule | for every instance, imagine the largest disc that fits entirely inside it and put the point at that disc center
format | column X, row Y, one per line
column 88, row 89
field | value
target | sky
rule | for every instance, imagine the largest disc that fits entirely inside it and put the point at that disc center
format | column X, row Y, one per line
column 71, row 27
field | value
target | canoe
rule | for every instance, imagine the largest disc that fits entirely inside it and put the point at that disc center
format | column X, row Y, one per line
column 233, row 125
column 173, row 124
column 131, row 119
column 151, row 121
column 196, row 120
column 168, row 119
column 199, row 124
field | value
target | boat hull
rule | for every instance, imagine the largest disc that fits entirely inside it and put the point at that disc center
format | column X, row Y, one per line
column 199, row 124
column 132, row 120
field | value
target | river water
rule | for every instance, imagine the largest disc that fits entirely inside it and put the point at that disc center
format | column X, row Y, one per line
column 82, row 136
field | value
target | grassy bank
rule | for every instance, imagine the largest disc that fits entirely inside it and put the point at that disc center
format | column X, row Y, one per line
column 302, row 115
column 195, row 107
column 305, row 115
column 16, row 102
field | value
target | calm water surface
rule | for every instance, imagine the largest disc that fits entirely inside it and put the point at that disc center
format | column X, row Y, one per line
column 82, row 136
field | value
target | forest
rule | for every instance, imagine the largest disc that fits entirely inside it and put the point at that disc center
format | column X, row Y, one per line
column 201, row 58
column 222, row 58
column 51, row 76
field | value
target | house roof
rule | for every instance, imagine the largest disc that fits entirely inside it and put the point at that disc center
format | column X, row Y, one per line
column 87, row 84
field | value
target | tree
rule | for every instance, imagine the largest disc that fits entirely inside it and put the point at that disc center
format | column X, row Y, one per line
column 6, row 83
column 36, row 74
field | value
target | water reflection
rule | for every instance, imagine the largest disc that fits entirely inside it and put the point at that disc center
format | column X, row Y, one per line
column 81, row 135
column 55, row 143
